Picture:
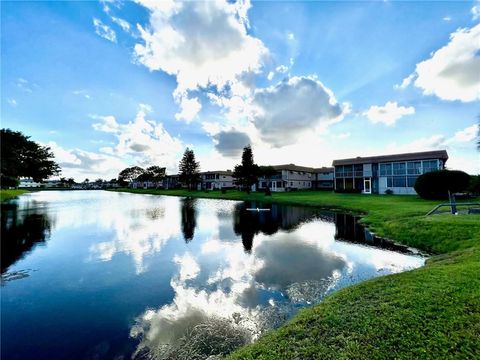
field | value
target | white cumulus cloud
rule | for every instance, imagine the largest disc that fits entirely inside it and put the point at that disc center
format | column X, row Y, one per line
column 144, row 141
column 466, row 135
column 389, row 113
column 104, row 31
column 189, row 109
column 204, row 44
column 125, row 25
column 475, row 10
column 283, row 112
column 453, row 71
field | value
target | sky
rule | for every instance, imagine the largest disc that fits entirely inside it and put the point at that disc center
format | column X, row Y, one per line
column 112, row 84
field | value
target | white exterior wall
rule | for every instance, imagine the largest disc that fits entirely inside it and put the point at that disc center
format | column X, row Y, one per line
column 297, row 180
column 223, row 181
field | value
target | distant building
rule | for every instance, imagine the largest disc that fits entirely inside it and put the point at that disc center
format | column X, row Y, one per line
column 288, row 177
column 377, row 174
column 171, row 182
column 52, row 184
column 135, row 184
column 220, row 179
column 28, row 183
column 324, row 178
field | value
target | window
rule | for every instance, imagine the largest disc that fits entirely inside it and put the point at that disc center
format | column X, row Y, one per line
column 414, row 167
column 399, row 169
column 389, row 181
column 339, row 171
column 264, row 184
column 385, row 169
column 429, row 165
column 348, row 170
column 358, row 169
column 399, row 182
column 411, row 181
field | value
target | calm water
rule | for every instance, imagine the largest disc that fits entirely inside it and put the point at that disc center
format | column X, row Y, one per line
column 101, row 275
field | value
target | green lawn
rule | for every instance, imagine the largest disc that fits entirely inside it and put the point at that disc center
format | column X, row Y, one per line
column 9, row 194
column 428, row 313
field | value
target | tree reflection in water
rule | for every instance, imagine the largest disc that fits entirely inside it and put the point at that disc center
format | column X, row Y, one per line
column 21, row 231
column 247, row 224
column 189, row 218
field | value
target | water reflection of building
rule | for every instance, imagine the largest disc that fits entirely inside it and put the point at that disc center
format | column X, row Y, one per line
column 189, row 218
column 21, row 230
column 348, row 229
column 247, row 223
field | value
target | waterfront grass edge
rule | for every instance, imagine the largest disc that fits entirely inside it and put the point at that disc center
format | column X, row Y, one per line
column 7, row 194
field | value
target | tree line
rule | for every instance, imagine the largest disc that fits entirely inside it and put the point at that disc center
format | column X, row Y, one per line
column 245, row 174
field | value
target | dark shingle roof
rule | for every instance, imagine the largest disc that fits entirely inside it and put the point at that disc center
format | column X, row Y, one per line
column 293, row 167
column 425, row 155
column 220, row 172
column 324, row 169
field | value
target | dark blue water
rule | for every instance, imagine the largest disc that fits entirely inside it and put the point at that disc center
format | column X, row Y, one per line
column 102, row 275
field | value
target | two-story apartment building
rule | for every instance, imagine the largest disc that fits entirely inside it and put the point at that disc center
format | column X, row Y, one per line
column 324, row 178
column 211, row 180
column 288, row 177
column 377, row 174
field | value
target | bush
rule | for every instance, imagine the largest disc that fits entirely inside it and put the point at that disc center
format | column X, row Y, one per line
column 474, row 186
column 389, row 191
column 436, row 184
column 268, row 192
column 224, row 191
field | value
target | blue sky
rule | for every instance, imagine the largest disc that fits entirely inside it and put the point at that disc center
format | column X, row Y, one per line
column 112, row 84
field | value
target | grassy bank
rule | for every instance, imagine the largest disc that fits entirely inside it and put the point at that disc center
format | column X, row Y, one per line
column 431, row 313
column 9, row 194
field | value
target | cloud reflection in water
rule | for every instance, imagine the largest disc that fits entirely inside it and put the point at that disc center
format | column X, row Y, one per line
column 257, row 290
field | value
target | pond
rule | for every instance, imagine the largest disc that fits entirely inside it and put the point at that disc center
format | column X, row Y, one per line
column 96, row 274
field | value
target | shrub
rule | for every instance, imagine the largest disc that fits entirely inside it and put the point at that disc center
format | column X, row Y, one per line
column 389, row 191
column 474, row 186
column 224, row 191
column 268, row 192
column 436, row 184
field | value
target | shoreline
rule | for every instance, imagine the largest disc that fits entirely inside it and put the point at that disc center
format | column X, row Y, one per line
column 429, row 312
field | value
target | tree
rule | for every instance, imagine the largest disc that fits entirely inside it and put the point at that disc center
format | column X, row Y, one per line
column 129, row 174
column 246, row 174
column 152, row 173
column 156, row 173
column 189, row 169
column 22, row 157
column 267, row 171
column 435, row 185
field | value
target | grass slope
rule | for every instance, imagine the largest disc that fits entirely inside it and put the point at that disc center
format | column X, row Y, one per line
column 9, row 194
column 428, row 313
